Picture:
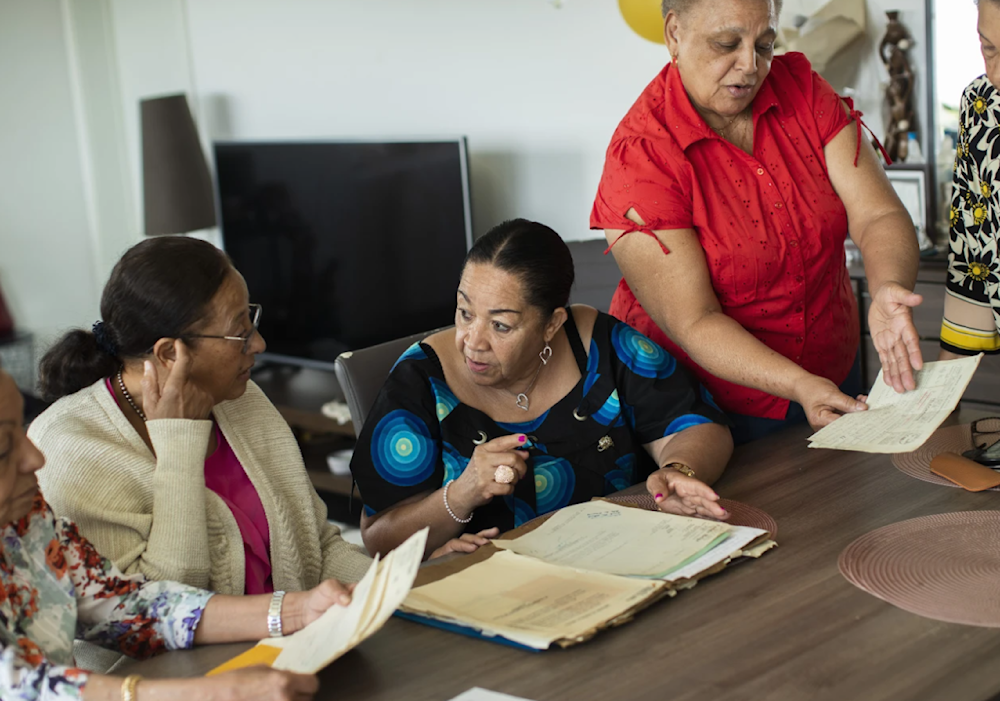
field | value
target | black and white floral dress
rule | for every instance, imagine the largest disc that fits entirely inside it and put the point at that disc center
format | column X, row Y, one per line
column 971, row 321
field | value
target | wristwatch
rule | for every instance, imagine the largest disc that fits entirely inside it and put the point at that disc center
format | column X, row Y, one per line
column 680, row 467
column 274, row 628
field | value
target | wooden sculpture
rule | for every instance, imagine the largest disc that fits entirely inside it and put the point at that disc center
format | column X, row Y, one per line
column 899, row 93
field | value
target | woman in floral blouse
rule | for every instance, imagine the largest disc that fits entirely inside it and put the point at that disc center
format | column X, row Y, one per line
column 55, row 587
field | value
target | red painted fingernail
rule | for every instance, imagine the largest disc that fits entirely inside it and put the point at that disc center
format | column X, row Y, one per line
column 522, row 439
column 657, row 496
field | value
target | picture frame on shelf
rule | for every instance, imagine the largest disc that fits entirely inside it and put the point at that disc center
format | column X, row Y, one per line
column 910, row 185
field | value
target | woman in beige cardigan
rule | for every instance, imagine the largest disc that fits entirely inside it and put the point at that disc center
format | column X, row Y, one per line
column 146, row 402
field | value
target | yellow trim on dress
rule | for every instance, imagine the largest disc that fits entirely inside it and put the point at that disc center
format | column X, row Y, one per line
column 969, row 339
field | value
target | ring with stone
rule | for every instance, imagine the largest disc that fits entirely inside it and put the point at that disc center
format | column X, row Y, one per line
column 504, row 474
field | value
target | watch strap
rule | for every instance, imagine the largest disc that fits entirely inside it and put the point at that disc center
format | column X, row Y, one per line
column 274, row 615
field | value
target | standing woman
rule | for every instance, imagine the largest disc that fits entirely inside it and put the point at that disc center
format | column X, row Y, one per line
column 169, row 459
column 727, row 194
column 971, row 321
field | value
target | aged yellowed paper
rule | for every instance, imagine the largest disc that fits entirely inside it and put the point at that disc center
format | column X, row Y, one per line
column 529, row 601
column 375, row 598
column 900, row 423
column 602, row 536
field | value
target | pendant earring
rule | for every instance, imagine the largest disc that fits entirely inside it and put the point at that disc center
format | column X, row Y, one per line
column 545, row 354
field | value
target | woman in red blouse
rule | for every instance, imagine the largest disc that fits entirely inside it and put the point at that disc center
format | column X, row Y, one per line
column 739, row 169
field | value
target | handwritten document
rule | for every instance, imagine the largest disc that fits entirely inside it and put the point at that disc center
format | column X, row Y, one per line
column 340, row 628
column 900, row 423
column 606, row 537
column 528, row 601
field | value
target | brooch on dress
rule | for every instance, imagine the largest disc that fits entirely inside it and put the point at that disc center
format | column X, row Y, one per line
column 605, row 443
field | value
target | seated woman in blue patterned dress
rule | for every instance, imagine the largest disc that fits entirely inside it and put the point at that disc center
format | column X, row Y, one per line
column 528, row 405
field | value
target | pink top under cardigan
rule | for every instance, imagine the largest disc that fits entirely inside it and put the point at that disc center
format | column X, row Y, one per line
column 225, row 476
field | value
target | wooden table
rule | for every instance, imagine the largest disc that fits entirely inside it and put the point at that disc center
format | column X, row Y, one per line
column 787, row 626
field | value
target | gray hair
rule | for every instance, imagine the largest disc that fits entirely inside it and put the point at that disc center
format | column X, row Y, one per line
column 679, row 7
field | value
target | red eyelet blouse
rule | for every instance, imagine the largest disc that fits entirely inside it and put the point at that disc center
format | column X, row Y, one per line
column 770, row 224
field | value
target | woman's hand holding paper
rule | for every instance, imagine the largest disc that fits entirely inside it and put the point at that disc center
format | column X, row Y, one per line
column 302, row 608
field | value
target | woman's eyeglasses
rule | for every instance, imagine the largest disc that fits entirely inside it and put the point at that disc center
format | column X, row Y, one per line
column 255, row 311
column 986, row 439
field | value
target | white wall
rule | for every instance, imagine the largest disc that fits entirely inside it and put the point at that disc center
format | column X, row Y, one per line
column 538, row 91
column 47, row 265
column 859, row 70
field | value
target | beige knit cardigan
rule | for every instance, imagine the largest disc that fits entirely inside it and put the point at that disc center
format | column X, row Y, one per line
column 153, row 514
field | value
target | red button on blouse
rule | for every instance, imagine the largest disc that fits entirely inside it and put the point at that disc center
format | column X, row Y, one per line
column 768, row 222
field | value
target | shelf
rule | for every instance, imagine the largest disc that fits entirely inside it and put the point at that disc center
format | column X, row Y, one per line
column 326, row 481
column 313, row 421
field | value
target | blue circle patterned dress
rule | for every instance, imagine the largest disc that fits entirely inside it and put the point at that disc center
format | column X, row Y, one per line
column 418, row 436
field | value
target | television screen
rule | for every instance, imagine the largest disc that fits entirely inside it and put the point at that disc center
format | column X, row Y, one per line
column 345, row 244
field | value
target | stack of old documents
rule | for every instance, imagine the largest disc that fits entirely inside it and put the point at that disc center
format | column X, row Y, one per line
column 586, row 567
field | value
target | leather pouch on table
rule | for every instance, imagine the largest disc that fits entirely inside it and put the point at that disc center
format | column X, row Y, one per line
column 964, row 472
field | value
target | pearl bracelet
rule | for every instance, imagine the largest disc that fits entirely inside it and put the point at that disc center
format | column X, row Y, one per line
column 451, row 513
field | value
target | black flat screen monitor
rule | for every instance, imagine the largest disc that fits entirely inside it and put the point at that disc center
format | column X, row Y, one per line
column 345, row 244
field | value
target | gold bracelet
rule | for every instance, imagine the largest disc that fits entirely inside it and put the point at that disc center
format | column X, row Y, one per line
column 128, row 687
column 680, row 467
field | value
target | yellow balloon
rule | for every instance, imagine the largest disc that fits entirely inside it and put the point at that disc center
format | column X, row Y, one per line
column 644, row 17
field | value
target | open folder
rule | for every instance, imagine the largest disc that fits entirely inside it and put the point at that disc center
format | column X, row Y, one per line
column 341, row 628
column 561, row 579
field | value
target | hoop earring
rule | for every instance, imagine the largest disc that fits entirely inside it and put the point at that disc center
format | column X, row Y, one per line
column 545, row 354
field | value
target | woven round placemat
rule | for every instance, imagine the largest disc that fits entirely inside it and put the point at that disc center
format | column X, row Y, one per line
column 954, row 439
column 945, row 567
column 740, row 514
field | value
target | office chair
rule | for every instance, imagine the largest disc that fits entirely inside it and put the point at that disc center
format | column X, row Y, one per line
column 362, row 373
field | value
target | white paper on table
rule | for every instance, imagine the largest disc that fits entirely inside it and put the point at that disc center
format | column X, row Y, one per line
column 900, row 423
column 479, row 694
column 602, row 536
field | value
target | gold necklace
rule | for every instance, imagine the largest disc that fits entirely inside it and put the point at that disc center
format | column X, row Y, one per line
column 722, row 132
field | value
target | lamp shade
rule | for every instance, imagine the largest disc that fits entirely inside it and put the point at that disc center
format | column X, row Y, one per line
column 176, row 185
column 6, row 322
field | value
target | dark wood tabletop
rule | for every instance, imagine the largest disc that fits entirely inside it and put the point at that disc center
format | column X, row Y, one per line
column 786, row 626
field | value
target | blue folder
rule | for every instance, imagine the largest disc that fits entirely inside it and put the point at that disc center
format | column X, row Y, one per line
column 462, row 630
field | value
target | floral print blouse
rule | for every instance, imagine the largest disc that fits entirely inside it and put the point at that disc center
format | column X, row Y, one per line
column 54, row 587
column 972, row 303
